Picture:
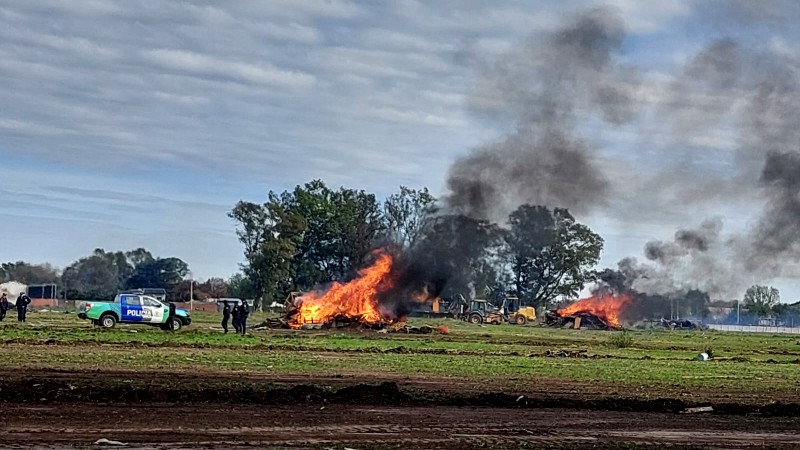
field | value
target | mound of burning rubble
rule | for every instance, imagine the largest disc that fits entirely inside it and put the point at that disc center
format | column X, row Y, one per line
column 577, row 321
column 600, row 312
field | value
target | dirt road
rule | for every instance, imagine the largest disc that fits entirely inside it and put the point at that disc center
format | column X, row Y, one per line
column 360, row 427
column 55, row 409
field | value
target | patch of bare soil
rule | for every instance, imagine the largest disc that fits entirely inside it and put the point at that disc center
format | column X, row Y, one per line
column 317, row 426
column 50, row 409
column 208, row 386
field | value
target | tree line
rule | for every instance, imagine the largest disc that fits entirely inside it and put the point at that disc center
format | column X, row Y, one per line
column 102, row 274
column 311, row 235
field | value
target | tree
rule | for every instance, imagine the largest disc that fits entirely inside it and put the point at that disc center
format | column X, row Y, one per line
column 211, row 288
column 102, row 274
column 164, row 273
column 239, row 287
column 94, row 277
column 27, row 273
column 311, row 235
column 271, row 237
column 342, row 227
column 405, row 215
column 550, row 254
column 760, row 299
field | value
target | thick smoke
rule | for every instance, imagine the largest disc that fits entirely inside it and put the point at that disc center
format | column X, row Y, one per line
column 727, row 96
column 544, row 88
column 727, row 133
column 755, row 95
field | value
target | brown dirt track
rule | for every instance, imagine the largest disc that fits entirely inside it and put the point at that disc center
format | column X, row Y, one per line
column 62, row 409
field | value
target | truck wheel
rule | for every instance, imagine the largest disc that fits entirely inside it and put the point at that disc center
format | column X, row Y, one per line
column 177, row 324
column 476, row 319
column 108, row 321
column 521, row 320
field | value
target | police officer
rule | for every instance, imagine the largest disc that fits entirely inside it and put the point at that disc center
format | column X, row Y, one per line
column 226, row 315
column 244, row 311
column 22, row 306
column 3, row 306
column 171, row 318
column 236, row 318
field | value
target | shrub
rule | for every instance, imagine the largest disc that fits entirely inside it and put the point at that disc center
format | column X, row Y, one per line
column 621, row 340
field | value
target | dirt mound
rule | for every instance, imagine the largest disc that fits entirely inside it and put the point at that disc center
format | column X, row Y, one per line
column 387, row 393
column 134, row 388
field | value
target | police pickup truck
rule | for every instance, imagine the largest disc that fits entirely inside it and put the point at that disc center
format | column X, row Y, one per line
column 132, row 308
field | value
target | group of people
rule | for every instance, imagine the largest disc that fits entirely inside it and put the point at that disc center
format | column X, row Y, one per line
column 239, row 312
column 22, row 306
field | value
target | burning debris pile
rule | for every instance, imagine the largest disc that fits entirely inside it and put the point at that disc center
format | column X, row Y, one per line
column 600, row 312
column 367, row 301
column 346, row 303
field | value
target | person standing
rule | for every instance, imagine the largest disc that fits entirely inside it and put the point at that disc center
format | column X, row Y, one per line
column 236, row 318
column 244, row 311
column 171, row 317
column 226, row 315
column 3, row 306
column 22, row 306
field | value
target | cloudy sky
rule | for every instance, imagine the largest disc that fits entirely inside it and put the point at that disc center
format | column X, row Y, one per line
column 140, row 123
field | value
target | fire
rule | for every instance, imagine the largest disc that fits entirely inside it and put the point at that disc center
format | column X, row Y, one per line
column 607, row 307
column 356, row 299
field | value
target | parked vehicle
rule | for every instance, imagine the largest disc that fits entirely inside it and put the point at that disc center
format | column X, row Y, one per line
column 159, row 294
column 481, row 311
column 133, row 308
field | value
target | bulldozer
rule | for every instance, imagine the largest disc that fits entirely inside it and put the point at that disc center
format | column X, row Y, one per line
column 520, row 315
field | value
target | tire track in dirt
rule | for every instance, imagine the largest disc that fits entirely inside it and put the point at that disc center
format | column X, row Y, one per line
column 452, row 428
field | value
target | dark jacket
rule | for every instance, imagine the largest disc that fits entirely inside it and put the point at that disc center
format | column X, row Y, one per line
column 226, row 311
column 23, row 301
column 244, row 309
column 4, row 303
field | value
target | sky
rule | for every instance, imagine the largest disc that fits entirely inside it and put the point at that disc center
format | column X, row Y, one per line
column 140, row 123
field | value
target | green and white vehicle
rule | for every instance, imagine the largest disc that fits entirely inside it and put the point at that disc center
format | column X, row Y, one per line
column 132, row 308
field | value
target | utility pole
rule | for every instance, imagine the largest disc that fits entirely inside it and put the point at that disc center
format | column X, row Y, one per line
column 191, row 291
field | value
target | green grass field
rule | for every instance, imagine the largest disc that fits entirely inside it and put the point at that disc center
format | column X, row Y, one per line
column 650, row 363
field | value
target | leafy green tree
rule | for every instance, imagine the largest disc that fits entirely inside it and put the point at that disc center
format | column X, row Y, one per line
column 760, row 299
column 405, row 215
column 166, row 273
column 239, row 287
column 311, row 235
column 341, row 228
column 551, row 255
column 271, row 237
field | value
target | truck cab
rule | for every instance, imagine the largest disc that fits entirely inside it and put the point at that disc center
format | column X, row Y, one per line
column 133, row 308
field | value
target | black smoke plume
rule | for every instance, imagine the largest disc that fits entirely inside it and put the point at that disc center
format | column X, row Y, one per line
column 544, row 88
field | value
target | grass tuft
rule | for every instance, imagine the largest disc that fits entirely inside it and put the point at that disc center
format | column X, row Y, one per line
column 621, row 340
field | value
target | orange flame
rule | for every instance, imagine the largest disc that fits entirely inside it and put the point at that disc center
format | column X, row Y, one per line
column 357, row 299
column 606, row 307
